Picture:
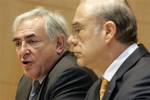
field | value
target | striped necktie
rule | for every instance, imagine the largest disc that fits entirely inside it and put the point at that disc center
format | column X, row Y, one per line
column 35, row 90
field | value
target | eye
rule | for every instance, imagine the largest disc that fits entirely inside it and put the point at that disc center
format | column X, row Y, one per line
column 77, row 30
column 32, row 41
column 18, row 43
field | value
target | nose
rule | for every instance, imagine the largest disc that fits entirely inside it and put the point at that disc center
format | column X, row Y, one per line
column 24, row 50
column 72, row 41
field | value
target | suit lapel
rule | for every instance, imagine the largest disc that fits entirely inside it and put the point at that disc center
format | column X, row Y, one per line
column 93, row 92
column 24, row 88
column 127, row 65
column 27, row 91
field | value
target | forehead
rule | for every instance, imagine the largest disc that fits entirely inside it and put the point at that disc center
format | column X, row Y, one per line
column 84, row 15
column 30, row 26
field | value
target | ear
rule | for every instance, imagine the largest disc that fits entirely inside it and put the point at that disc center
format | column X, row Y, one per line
column 60, row 45
column 110, row 29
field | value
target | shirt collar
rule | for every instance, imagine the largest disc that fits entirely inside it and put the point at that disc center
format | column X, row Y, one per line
column 40, row 80
column 112, row 69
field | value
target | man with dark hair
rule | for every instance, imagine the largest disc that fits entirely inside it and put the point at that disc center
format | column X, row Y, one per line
column 105, row 39
column 50, row 71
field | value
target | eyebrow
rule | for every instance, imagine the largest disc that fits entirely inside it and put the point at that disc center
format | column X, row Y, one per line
column 76, row 24
column 26, row 37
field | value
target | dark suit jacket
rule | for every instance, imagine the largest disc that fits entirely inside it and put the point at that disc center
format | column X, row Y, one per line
column 131, row 82
column 66, row 81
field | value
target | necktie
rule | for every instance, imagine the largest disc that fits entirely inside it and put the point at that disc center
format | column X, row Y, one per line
column 103, row 88
column 35, row 90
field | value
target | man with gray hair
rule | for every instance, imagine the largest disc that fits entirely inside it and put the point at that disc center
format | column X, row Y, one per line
column 50, row 70
column 105, row 39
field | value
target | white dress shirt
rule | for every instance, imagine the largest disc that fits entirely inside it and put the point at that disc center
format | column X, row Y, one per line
column 112, row 69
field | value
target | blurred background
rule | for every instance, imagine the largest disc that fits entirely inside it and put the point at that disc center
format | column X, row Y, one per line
column 10, row 71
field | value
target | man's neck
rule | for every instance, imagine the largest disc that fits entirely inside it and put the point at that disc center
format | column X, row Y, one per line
column 110, row 55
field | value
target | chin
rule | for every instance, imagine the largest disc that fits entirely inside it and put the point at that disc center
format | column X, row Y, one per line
column 29, row 74
column 80, row 62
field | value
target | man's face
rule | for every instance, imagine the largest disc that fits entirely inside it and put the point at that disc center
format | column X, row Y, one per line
column 35, row 51
column 87, row 40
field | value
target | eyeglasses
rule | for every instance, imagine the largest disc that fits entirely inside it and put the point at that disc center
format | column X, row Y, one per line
column 76, row 30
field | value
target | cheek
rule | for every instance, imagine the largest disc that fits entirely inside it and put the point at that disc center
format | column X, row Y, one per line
column 19, row 56
column 46, row 53
column 91, row 47
column 37, row 55
column 40, row 59
column 40, row 55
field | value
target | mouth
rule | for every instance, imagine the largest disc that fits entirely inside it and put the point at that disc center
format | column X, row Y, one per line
column 77, row 54
column 25, row 64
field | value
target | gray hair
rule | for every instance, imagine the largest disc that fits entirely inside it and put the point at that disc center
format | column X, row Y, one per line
column 55, row 23
column 120, row 13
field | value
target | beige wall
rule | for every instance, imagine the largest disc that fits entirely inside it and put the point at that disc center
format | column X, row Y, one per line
column 142, row 12
column 10, row 69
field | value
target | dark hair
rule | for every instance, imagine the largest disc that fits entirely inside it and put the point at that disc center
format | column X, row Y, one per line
column 122, row 16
